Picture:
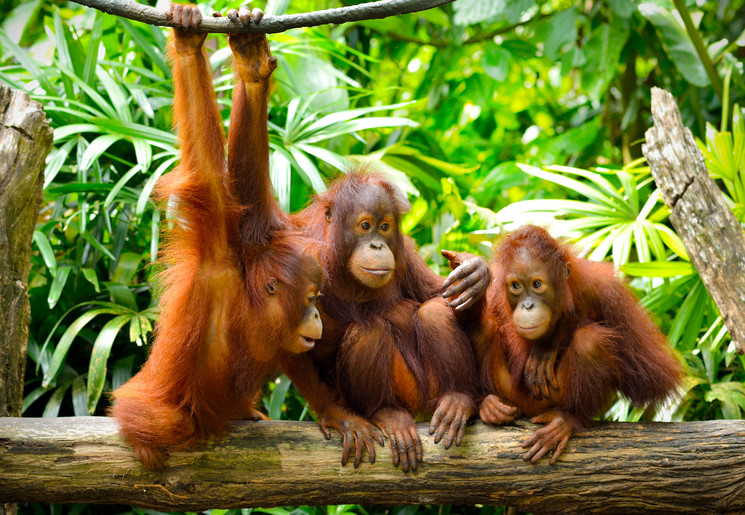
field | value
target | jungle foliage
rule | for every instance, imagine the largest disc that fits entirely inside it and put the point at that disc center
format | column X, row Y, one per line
column 488, row 113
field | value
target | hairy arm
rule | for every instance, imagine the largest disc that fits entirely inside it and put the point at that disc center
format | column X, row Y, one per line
column 248, row 138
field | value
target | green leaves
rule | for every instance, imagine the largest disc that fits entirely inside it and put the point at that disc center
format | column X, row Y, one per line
column 613, row 219
column 468, row 12
column 724, row 154
column 100, row 355
column 496, row 63
column 677, row 43
column 602, row 52
column 659, row 269
column 562, row 30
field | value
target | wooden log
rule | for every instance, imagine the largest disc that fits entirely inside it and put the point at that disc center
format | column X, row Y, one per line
column 714, row 239
column 25, row 141
column 616, row 467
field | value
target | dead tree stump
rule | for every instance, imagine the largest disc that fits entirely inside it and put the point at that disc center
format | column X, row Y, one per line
column 25, row 141
column 712, row 235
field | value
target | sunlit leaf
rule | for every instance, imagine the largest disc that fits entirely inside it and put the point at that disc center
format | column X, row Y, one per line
column 659, row 269
column 79, row 397
column 677, row 43
column 63, row 346
column 45, row 249
column 308, row 170
column 58, row 284
column 97, row 147
column 99, row 357
column 91, row 277
column 277, row 398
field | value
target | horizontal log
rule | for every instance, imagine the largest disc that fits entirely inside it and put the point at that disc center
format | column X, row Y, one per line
column 615, row 467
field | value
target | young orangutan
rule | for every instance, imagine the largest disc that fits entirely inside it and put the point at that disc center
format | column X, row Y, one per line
column 402, row 351
column 560, row 335
column 392, row 343
column 248, row 169
column 239, row 288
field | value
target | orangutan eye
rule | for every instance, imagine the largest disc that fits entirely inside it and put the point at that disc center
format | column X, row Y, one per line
column 365, row 225
column 515, row 286
column 537, row 284
column 384, row 227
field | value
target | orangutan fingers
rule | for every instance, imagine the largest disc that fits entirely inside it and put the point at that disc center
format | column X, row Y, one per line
column 418, row 450
column 405, row 450
column 436, row 419
column 458, row 286
column 528, row 456
column 368, row 443
column 541, row 453
column 559, row 448
column 462, row 423
column 358, row 439
column 395, row 456
column 256, row 15
column 325, row 430
column 452, row 257
column 552, row 381
column 453, row 431
column 377, row 436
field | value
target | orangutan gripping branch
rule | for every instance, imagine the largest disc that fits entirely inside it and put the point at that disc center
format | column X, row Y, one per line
column 559, row 337
column 239, row 288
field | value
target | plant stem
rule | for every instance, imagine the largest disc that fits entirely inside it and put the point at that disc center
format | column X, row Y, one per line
column 698, row 43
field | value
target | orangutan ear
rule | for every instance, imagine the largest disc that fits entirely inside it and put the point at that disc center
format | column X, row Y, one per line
column 271, row 286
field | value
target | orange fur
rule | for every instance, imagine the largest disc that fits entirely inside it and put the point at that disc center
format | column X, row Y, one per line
column 219, row 332
column 604, row 340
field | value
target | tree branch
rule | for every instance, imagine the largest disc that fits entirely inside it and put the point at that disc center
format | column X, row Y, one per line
column 616, row 467
column 269, row 24
column 480, row 38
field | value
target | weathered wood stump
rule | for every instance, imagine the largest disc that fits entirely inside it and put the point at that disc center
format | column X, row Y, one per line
column 616, row 467
column 712, row 235
column 25, row 141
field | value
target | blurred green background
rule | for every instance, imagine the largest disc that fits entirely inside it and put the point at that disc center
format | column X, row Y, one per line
column 488, row 113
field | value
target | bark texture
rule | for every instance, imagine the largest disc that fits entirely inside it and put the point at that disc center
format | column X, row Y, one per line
column 616, row 467
column 712, row 235
column 25, row 141
column 270, row 24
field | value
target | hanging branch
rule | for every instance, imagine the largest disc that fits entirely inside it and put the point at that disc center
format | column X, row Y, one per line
column 269, row 24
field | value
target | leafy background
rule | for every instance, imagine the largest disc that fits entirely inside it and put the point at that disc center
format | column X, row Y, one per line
column 488, row 113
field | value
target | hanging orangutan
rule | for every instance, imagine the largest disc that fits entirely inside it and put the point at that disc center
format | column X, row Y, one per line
column 239, row 288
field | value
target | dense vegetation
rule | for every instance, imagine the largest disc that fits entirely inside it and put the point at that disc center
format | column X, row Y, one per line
column 488, row 113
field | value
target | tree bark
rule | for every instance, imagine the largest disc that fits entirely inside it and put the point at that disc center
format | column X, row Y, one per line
column 616, row 467
column 712, row 235
column 25, row 141
column 270, row 24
